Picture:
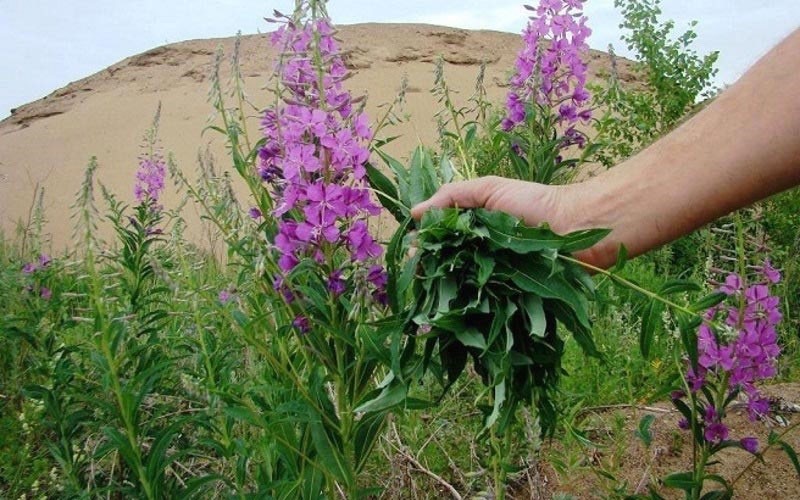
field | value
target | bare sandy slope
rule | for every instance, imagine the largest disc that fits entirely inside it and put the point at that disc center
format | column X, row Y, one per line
column 47, row 143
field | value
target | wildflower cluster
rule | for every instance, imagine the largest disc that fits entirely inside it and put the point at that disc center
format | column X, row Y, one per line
column 150, row 176
column 551, row 72
column 314, row 159
column 31, row 269
column 743, row 355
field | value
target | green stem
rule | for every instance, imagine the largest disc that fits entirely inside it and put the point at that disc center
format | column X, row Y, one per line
column 498, row 470
column 632, row 286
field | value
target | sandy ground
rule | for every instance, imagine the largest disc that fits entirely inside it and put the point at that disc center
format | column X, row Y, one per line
column 47, row 143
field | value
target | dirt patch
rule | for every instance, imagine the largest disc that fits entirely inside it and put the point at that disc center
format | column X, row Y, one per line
column 619, row 460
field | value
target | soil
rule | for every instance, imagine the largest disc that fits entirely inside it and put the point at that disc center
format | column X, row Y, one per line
column 620, row 453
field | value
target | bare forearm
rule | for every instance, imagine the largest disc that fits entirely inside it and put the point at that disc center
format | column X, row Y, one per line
column 745, row 146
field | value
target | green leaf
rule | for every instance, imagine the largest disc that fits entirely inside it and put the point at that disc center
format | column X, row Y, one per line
column 499, row 399
column 391, row 395
column 471, row 337
column 532, row 276
column 366, row 434
column 651, row 319
column 448, row 290
column 678, row 286
column 622, row 258
column 386, row 192
column 422, row 178
column 401, row 175
column 681, row 480
column 787, row 448
column 330, row 455
column 643, row 432
column 580, row 240
column 717, row 495
column 707, row 302
column 532, row 305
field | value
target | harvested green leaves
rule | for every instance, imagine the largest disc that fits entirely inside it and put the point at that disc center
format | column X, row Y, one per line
column 487, row 287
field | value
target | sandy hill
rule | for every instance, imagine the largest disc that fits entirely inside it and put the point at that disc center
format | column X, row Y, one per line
column 47, row 143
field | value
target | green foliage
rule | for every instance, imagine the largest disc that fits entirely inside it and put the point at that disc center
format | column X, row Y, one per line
column 674, row 77
column 502, row 306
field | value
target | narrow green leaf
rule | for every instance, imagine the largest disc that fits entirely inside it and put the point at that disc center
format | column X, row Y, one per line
column 651, row 319
column 681, row 480
column 330, row 455
column 386, row 192
column 643, row 432
column 391, row 395
column 707, row 302
column 366, row 434
column 787, row 448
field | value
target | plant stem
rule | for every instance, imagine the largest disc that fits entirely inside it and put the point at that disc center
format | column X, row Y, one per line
column 633, row 286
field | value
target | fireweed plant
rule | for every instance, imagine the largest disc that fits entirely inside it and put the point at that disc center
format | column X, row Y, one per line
column 728, row 362
column 548, row 98
column 327, row 270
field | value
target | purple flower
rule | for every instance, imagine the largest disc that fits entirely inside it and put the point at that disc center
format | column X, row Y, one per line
column 750, row 444
column 757, row 407
column 683, row 424
column 336, row 284
column 282, row 288
column 549, row 68
column 45, row 293
column 224, row 296
column 150, row 177
column 30, row 268
column 378, row 277
column 695, row 379
column 716, row 432
column 770, row 273
column 362, row 245
column 254, row 213
column 733, row 283
column 44, row 260
column 314, row 157
column 710, row 414
column 302, row 324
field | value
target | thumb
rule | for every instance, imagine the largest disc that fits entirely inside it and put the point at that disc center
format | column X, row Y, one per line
column 463, row 194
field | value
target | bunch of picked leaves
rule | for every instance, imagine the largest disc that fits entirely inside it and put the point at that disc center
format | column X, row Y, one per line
column 482, row 285
column 489, row 288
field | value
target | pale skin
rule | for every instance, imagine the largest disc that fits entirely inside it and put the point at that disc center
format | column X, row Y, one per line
column 745, row 146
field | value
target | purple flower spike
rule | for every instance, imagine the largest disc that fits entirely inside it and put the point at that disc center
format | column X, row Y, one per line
column 150, row 177
column 254, row 213
column 549, row 68
column 314, row 157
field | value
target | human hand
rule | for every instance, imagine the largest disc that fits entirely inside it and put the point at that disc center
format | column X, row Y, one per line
column 562, row 207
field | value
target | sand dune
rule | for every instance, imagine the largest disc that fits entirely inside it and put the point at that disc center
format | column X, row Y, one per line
column 47, row 143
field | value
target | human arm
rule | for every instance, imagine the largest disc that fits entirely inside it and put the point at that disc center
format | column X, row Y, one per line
column 743, row 147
